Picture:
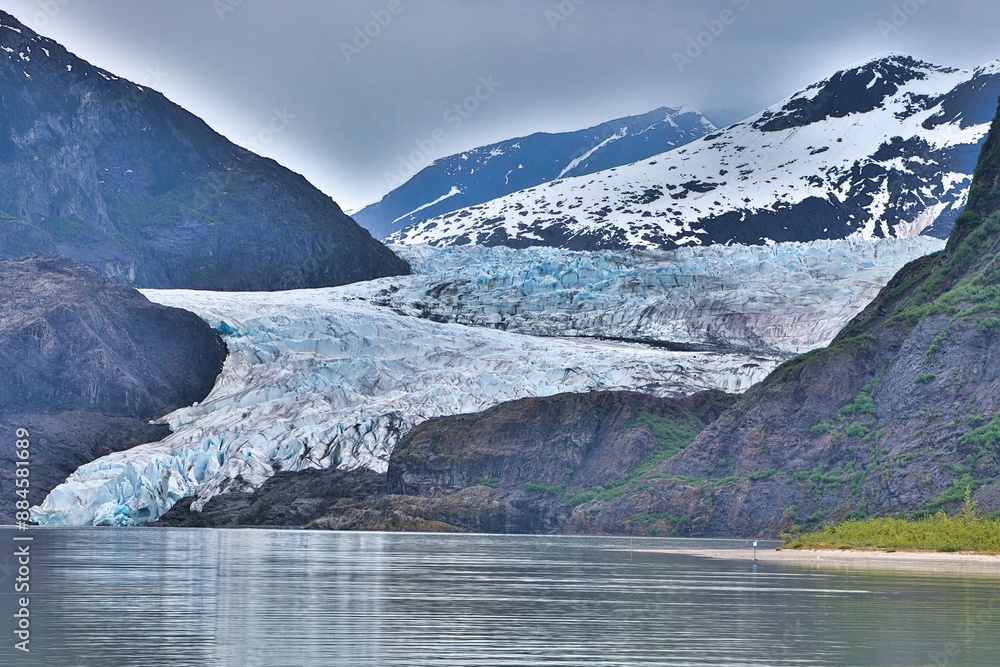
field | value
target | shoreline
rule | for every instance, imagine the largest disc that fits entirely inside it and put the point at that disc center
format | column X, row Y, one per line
column 927, row 561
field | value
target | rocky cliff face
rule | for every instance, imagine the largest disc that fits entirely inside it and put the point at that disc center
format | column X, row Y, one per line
column 286, row 499
column 87, row 363
column 116, row 176
column 900, row 414
column 523, row 466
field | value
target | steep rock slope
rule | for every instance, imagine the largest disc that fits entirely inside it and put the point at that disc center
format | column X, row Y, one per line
column 900, row 414
column 481, row 174
column 883, row 149
column 515, row 468
column 286, row 499
column 116, row 176
column 86, row 364
column 526, row 463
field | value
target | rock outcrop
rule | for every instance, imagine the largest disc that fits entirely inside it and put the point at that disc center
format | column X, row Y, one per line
column 87, row 363
column 523, row 466
column 286, row 499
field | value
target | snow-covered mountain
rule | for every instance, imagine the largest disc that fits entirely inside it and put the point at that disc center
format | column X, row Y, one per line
column 886, row 148
column 334, row 377
column 485, row 173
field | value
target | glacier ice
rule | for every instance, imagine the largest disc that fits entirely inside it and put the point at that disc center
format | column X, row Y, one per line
column 783, row 298
column 334, row 377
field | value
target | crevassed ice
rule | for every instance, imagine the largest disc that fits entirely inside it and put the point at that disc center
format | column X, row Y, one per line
column 334, row 377
column 785, row 298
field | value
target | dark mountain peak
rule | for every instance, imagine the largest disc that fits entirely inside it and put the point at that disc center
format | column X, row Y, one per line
column 480, row 174
column 118, row 177
column 901, row 65
column 31, row 56
column 988, row 69
column 858, row 89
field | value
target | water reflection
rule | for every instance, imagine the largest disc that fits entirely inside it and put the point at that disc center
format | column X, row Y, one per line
column 276, row 598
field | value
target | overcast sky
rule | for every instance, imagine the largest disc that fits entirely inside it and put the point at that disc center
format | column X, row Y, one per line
column 302, row 82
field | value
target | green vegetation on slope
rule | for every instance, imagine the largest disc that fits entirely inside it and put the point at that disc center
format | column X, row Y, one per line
column 672, row 437
column 964, row 282
column 985, row 438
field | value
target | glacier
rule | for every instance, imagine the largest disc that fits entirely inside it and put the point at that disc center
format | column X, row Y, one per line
column 334, row 377
column 785, row 298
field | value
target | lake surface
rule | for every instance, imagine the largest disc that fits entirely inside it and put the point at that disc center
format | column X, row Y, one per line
column 243, row 598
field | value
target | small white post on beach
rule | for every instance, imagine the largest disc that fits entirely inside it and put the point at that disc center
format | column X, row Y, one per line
column 755, row 549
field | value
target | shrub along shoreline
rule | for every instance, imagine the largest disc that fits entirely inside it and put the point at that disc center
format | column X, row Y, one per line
column 968, row 531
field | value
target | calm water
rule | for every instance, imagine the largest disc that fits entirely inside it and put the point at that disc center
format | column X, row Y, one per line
column 273, row 598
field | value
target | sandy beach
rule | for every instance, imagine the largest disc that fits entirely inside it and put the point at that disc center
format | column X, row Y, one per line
column 930, row 561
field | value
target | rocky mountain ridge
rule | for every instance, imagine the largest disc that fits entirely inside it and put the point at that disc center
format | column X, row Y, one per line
column 481, row 174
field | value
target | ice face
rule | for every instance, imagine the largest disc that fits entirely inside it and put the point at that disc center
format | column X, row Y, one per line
column 785, row 298
column 334, row 377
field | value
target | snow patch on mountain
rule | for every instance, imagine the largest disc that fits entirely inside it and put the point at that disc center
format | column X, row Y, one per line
column 451, row 193
column 481, row 174
column 886, row 149
column 621, row 134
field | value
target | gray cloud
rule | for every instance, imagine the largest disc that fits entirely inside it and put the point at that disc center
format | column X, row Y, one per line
column 301, row 81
